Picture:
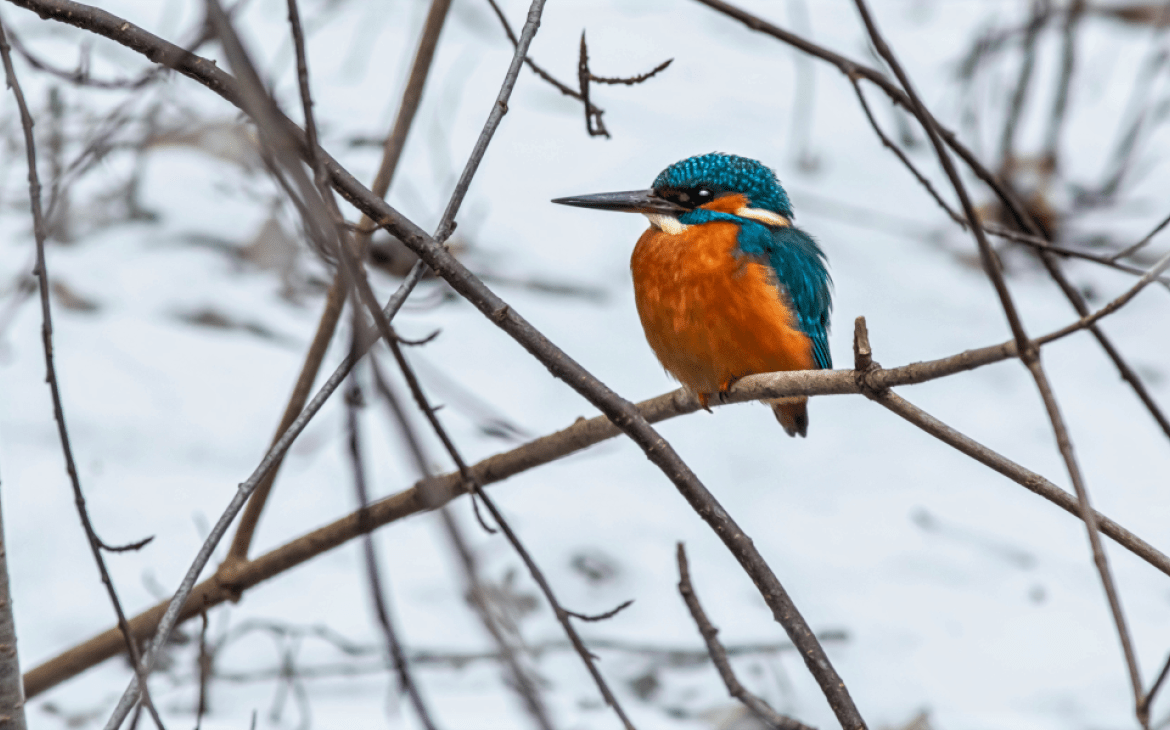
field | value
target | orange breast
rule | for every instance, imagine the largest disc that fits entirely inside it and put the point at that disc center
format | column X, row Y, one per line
column 711, row 315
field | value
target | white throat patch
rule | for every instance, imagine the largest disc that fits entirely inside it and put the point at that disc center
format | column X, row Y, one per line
column 666, row 223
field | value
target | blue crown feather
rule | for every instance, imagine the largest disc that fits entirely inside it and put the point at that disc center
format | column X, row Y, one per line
column 728, row 174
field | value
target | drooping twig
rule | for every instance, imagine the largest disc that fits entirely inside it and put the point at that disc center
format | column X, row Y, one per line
column 80, row 75
column 602, row 616
column 373, row 573
column 922, row 179
column 534, row 570
column 1040, row 12
column 761, row 709
column 1068, row 58
column 521, row 677
column 41, row 272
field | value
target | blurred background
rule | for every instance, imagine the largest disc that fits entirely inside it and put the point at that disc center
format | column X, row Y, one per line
column 185, row 297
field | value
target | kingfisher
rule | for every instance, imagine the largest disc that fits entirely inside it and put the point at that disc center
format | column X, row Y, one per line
column 726, row 286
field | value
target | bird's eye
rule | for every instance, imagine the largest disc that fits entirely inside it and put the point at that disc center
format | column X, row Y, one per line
column 704, row 193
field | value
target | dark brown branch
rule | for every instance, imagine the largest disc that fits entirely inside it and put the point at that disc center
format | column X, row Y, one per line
column 761, row 709
column 41, row 272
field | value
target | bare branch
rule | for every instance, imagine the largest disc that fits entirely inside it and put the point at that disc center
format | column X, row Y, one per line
column 761, row 709
column 373, row 573
column 11, row 689
column 41, row 272
column 602, row 616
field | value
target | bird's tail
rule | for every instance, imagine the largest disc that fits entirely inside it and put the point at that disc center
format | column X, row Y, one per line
column 792, row 413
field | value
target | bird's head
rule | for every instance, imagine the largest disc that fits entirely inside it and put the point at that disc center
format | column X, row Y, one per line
column 716, row 182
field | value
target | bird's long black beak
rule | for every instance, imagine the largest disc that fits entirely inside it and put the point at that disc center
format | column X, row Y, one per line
column 633, row 201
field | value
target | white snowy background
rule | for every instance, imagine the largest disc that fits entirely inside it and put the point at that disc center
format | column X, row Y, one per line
column 960, row 593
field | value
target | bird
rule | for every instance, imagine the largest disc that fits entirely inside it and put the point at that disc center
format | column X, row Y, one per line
column 725, row 285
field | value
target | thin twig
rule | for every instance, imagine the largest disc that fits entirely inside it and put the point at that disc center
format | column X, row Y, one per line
column 41, row 272
column 539, row 71
column 631, row 80
column 1089, row 319
column 1064, row 83
column 12, row 715
column 534, row 570
column 206, row 669
column 520, row 676
column 761, row 709
column 1043, row 243
column 1040, row 13
column 602, row 616
column 1157, row 685
column 594, row 127
column 1130, row 250
column 922, row 179
column 373, row 573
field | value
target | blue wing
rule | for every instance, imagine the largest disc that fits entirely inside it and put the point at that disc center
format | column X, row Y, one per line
column 800, row 268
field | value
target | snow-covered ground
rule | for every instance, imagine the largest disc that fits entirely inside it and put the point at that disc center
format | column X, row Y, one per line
column 961, row 594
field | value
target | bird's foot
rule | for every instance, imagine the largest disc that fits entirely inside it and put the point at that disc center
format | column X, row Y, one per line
column 704, row 399
column 725, row 389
